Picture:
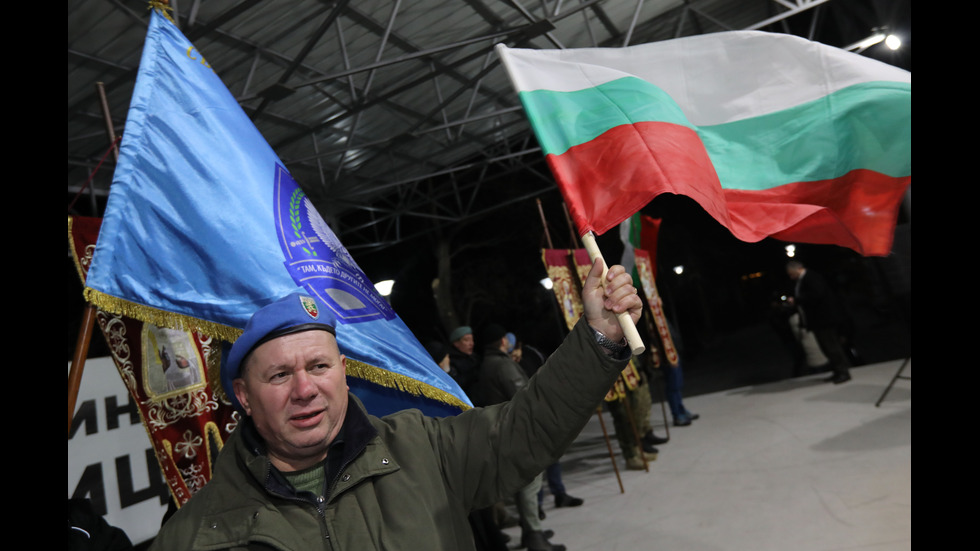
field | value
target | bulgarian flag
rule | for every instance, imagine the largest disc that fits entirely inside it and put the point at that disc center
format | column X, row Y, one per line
column 771, row 134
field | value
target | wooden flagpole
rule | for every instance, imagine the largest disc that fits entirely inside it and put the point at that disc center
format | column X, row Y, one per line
column 625, row 321
column 88, row 316
column 544, row 224
column 612, row 457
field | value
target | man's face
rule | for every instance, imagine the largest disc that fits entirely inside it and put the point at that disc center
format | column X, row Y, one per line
column 465, row 344
column 793, row 272
column 295, row 389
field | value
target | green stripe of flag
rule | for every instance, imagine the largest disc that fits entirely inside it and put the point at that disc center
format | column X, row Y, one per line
column 563, row 120
column 792, row 145
column 819, row 140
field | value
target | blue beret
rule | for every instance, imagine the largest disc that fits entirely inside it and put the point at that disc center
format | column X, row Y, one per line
column 292, row 313
column 459, row 333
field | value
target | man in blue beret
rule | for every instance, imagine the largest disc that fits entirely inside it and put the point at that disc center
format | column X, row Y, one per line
column 309, row 468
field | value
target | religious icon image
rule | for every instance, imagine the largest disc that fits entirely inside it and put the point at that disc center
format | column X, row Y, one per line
column 171, row 361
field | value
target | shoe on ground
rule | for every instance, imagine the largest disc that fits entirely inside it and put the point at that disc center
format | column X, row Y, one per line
column 682, row 420
column 649, row 448
column 538, row 541
column 653, row 440
column 565, row 500
column 636, row 463
column 842, row 378
column 541, row 515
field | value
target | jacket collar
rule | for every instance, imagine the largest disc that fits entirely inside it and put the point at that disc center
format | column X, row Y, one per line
column 357, row 436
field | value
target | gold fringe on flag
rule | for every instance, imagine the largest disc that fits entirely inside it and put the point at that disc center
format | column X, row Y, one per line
column 78, row 258
column 355, row 368
column 400, row 382
column 158, row 317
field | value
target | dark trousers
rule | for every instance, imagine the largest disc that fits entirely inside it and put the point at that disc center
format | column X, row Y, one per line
column 829, row 342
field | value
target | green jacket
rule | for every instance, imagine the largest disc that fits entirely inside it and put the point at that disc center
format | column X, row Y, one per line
column 413, row 481
column 500, row 378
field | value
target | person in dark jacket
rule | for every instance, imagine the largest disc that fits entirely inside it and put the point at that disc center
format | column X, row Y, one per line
column 500, row 379
column 309, row 468
column 464, row 363
column 821, row 314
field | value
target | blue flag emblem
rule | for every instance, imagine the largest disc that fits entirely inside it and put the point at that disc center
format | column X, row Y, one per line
column 318, row 261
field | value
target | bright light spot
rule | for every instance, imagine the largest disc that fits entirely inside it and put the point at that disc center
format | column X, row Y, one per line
column 870, row 41
column 384, row 287
column 679, row 269
column 791, row 250
column 546, row 283
column 893, row 42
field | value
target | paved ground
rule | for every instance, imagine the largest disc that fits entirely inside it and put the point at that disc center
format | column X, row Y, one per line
column 795, row 465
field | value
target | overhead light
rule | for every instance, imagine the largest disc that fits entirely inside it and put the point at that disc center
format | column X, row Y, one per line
column 791, row 250
column 679, row 269
column 866, row 43
column 384, row 287
column 546, row 283
column 878, row 35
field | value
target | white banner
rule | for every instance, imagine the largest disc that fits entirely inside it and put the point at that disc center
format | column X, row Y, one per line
column 110, row 459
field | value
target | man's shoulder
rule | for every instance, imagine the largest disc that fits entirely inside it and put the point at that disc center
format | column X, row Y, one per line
column 210, row 506
column 493, row 355
column 496, row 363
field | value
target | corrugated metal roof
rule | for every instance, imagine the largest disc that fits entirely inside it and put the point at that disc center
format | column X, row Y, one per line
column 366, row 100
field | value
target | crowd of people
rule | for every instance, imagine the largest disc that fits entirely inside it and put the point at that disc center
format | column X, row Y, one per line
column 494, row 374
column 306, row 442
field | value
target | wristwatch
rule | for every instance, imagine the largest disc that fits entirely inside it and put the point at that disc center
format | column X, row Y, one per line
column 617, row 350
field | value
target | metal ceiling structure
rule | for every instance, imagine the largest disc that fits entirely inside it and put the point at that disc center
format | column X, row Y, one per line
column 396, row 117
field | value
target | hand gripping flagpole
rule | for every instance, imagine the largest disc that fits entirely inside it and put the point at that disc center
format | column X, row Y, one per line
column 625, row 321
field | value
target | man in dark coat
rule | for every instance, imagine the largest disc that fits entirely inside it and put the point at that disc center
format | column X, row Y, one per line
column 821, row 314
column 464, row 363
column 309, row 468
column 500, row 379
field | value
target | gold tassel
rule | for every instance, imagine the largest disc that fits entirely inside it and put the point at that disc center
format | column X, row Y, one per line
column 400, row 382
column 163, row 7
column 161, row 318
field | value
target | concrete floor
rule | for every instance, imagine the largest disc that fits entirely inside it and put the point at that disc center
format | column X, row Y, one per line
column 797, row 465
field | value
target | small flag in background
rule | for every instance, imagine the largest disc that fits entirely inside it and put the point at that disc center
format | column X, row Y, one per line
column 771, row 134
column 567, row 284
column 645, row 270
column 204, row 226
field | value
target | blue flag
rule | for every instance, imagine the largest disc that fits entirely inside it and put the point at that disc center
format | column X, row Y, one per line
column 204, row 226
